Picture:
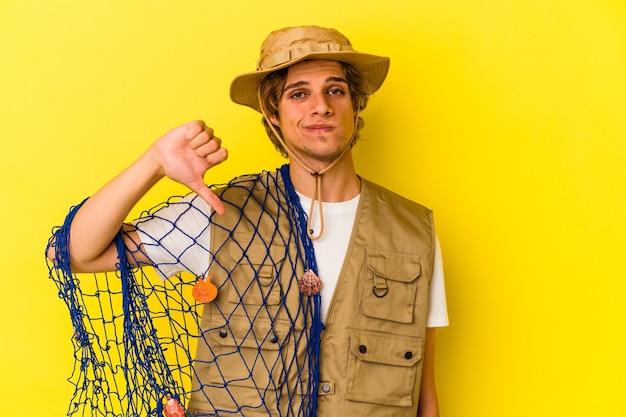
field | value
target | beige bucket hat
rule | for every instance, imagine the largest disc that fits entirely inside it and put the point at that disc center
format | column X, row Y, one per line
column 288, row 46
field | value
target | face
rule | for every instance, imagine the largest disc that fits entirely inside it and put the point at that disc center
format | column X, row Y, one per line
column 315, row 111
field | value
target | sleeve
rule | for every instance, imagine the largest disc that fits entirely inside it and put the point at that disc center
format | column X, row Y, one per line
column 438, row 310
column 176, row 236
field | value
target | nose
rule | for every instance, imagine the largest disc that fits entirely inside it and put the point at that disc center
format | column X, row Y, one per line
column 320, row 105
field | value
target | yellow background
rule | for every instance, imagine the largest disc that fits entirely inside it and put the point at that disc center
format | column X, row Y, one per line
column 507, row 118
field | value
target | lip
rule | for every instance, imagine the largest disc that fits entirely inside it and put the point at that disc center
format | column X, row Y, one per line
column 319, row 128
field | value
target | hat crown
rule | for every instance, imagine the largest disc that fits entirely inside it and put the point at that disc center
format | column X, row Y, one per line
column 292, row 43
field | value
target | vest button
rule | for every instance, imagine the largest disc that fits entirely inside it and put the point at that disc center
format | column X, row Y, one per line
column 274, row 339
column 326, row 388
column 362, row 349
column 223, row 333
column 408, row 355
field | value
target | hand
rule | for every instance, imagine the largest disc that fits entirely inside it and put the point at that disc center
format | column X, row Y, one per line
column 186, row 153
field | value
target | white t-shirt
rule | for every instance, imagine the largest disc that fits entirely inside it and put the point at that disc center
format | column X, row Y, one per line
column 184, row 246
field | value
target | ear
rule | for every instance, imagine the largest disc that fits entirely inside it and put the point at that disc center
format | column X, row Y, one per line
column 274, row 120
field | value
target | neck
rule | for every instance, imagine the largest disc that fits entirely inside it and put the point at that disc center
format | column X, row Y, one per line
column 340, row 182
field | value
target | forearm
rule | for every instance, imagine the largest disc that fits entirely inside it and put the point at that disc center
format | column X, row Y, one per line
column 428, row 403
column 428, row 407
column 97, row 222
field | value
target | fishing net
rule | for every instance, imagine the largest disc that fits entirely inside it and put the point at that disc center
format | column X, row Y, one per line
column 145, row 346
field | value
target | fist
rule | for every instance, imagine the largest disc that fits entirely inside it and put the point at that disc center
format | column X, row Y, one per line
column 186, row 153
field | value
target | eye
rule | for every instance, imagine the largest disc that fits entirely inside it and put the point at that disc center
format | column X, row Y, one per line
column 297, row 95
column 335, row 91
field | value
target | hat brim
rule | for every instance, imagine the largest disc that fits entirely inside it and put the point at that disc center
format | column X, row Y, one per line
column 243, row 89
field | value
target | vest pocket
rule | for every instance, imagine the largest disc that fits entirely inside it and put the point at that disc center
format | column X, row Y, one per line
column 255, row 277
column 390, row 285
column 382, row 367
column 248, row 355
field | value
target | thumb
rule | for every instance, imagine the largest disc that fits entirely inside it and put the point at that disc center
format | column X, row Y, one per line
column 209, row 196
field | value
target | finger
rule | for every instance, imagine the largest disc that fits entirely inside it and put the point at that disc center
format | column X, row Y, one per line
column 204, row 138
column 207, row 149
column 217, row 157
column 209, row 196
column 194, row 128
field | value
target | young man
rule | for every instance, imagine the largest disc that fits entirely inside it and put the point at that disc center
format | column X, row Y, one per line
column 329, row 288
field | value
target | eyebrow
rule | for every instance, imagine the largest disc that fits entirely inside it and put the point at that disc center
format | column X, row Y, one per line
column 298, row 84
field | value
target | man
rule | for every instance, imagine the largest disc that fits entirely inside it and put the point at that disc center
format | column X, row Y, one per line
column 330, row 313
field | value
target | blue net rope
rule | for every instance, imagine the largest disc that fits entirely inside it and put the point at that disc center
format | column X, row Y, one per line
column 140, row 340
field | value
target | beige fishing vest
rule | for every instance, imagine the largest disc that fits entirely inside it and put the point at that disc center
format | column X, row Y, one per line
column 372, row 347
